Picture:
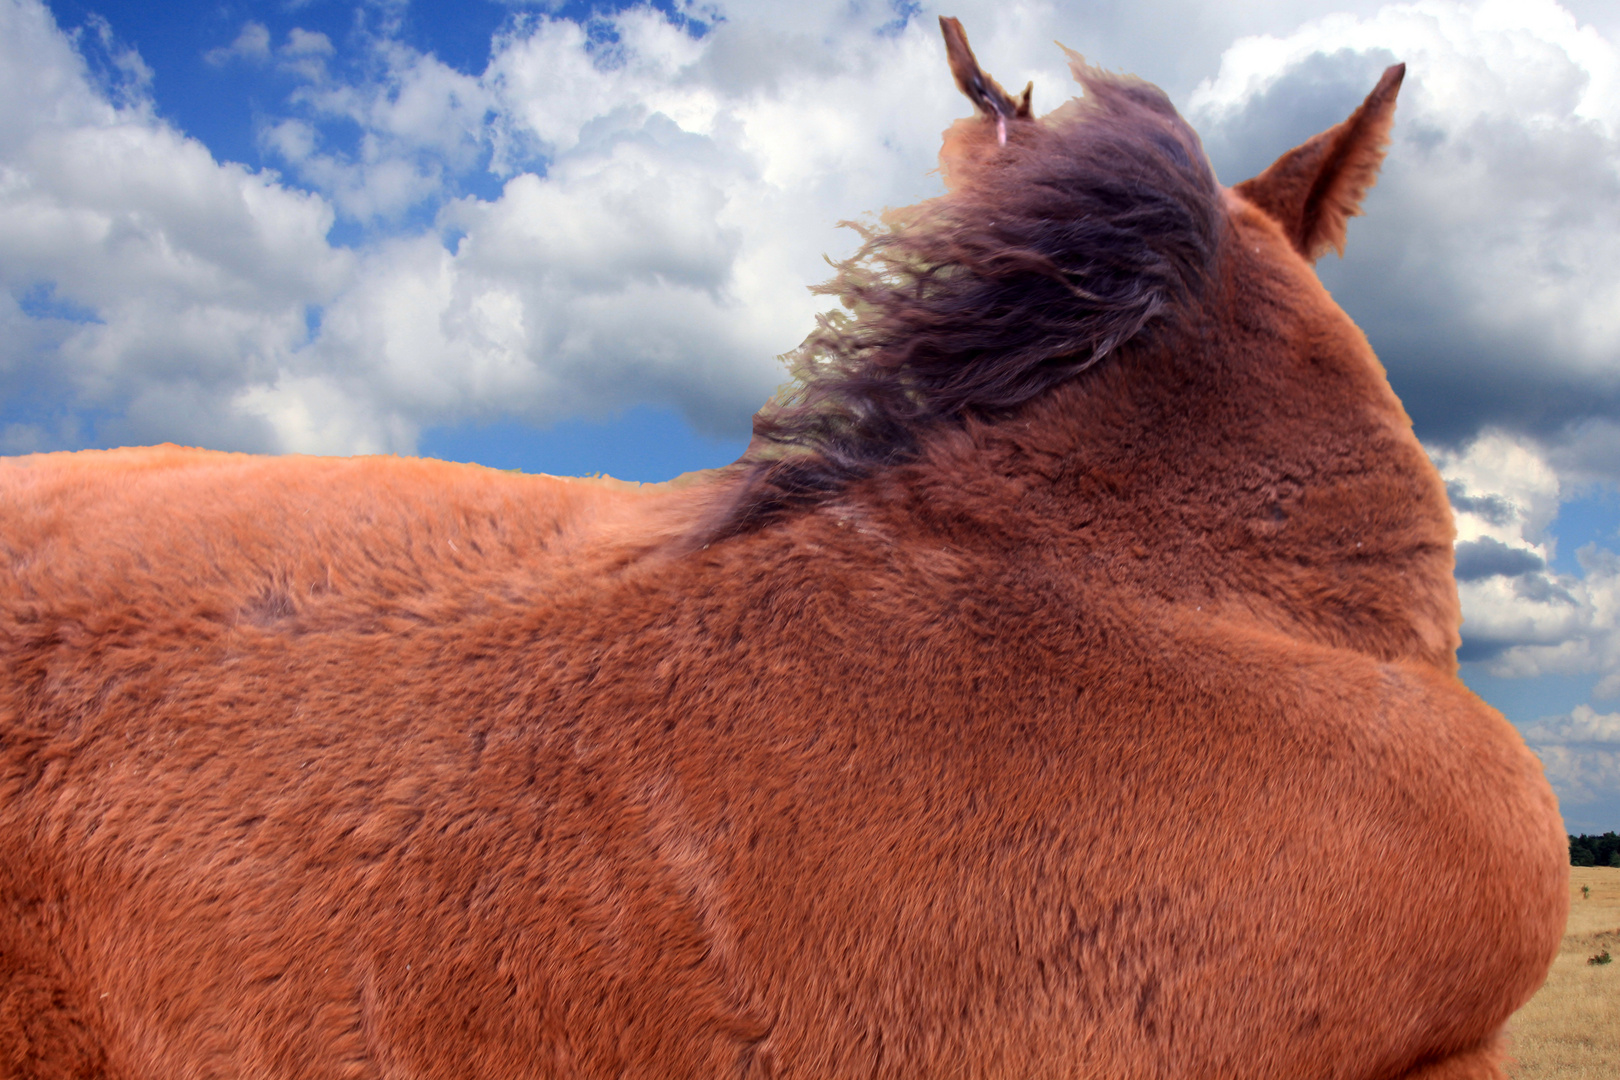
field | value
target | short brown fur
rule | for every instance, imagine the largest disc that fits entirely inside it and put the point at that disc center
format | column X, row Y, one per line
column 1110, row 735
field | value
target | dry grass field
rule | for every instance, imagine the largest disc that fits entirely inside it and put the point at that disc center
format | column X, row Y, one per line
column 1571, row 1029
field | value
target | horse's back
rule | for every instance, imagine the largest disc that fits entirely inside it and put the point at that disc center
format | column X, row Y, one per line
column 294, row 651
column 235, row 537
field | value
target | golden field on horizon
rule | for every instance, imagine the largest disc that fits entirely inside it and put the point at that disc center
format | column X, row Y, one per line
column 1571, row 1029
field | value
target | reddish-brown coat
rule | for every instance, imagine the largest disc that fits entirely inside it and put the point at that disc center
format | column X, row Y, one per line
column 1120, row 738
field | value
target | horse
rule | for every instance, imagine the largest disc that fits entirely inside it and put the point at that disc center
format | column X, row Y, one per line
column 1062, row 684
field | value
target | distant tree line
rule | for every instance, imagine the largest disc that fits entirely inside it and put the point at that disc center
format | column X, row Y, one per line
column 1595, row 850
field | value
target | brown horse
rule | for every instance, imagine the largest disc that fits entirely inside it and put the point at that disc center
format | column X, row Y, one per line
column 1062, row 686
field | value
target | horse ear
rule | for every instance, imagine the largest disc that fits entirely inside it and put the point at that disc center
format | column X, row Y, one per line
column 985, row 93
column 1317, row 187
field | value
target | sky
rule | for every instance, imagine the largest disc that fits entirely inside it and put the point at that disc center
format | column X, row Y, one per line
column 574, row 238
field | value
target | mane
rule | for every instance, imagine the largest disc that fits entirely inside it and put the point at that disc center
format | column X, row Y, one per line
column 1085, row 230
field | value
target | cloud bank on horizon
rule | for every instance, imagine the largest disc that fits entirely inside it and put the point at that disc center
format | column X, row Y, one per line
column 625, row 208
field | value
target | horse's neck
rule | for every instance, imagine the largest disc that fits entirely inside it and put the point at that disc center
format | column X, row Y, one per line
column 1286, row 490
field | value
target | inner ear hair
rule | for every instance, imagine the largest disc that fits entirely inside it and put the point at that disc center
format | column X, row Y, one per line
column 1316, row 188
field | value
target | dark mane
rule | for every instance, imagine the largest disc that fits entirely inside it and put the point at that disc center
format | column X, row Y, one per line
column 1089, row 226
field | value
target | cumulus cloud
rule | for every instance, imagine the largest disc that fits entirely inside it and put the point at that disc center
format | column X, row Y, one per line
column 1520, row 616
column 1581, row 754
column 1484, row 272
column 304, row 52
column 252, row 44
column 301, row 42
column 421, row 123
column 1488, row 557
column 1584, row 724
column 144, row 278
column 666, row 200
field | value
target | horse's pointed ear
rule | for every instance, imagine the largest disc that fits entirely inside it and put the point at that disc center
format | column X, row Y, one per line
column 1316, row 188
column 985, row 93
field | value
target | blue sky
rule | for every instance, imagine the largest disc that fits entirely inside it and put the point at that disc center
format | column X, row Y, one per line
column 573, row 238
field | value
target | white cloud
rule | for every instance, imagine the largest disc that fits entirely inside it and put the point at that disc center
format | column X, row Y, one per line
column 1583, row 725
column 661, row 221
column 178, row 274
column 1581, row 755
column 1521, row 616
column 1586, row 779
column 301, row 42
column 304, row 52
column 128, row 78
column 314, row 414
column 1502, row 487
column 421, row 123
column 252, row 44
column 1579, row 627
